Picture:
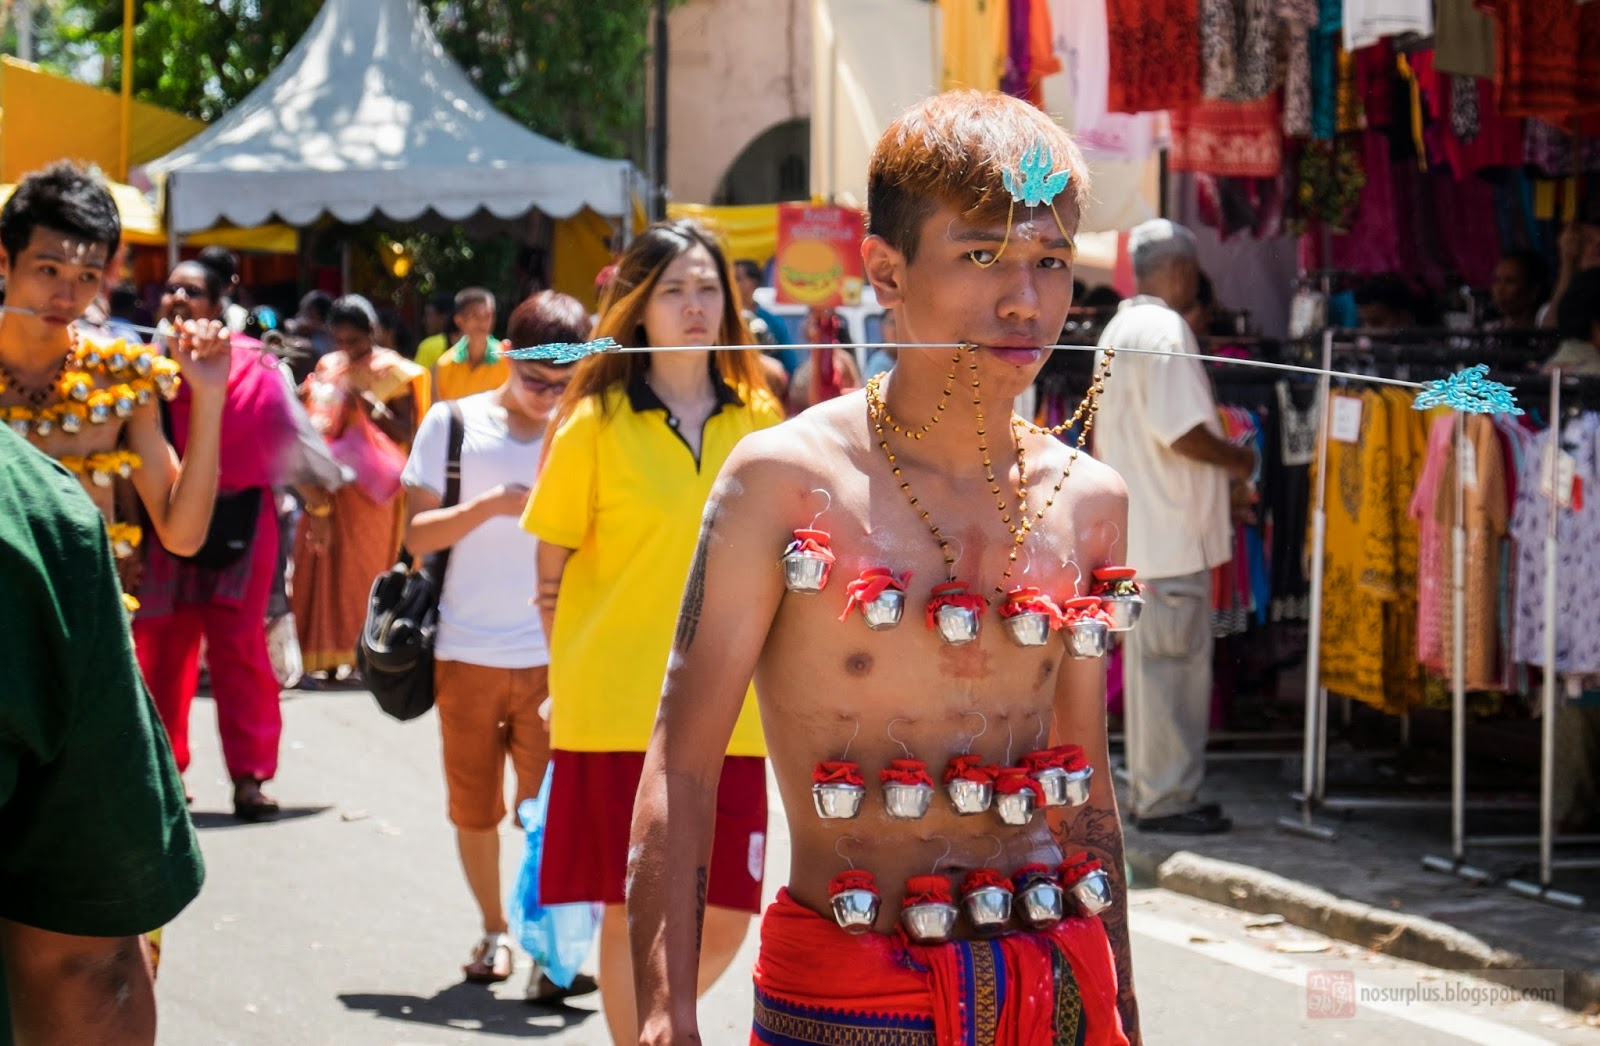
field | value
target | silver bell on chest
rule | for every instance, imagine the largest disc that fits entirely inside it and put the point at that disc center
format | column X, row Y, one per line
column 927, row 913
column 880, row 596
column 1119, row 592
column 907, row 789
column 1017, row 796
column 854, row 897
column 969, row 784
column 837, row 789
column 1030, row 617
column 955, row 613
column 986, row 898
column 1040, row 900
column 1062, row 773
column 1087, row 883
column 1087, row 626
column 807, row 562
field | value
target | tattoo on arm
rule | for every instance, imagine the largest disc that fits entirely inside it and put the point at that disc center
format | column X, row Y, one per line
column 1098, row 829
column 700, row 881
column 694, row 594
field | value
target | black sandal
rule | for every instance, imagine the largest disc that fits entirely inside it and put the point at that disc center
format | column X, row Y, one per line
column 250, row 803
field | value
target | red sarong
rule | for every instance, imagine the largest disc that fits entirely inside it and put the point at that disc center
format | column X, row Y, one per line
column 816, row 983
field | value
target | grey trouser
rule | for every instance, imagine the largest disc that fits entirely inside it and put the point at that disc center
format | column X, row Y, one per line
column 1167, row 695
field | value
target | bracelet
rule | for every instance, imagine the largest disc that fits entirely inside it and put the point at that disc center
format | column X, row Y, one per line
column 320, row 511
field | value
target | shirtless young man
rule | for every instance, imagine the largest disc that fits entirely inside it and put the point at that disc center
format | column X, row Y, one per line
column 960, row 260
column 93, row 405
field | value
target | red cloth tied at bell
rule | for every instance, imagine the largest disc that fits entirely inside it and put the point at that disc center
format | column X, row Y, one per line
column 852, row 879
column 873, row 582
column 1112, row 579
column 906, row 772
column 1029, row 874
column 1084, row 608
column 1076, row 867
column 814, row 542
column 926, row 889
column 1014, row 779
column 837, row 771
column 953, row 594
column 978, row 878
column 969, row 768
column 1031, row 601
column 1049, row 759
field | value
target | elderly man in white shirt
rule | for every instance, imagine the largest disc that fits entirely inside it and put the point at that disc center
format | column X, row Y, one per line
column 1158, row 427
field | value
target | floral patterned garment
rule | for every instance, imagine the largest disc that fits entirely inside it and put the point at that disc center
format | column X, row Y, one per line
column 1578, row 554
column 1155, row 54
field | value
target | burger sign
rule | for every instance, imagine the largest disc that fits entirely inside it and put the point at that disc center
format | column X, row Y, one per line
column 818, row 262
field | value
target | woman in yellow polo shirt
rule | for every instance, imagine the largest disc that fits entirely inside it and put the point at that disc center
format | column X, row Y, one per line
column 638, row 441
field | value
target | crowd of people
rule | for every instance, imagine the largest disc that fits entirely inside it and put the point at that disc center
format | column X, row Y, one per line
column 240, row 494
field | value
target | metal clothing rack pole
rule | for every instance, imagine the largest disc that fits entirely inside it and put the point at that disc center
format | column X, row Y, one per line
column 1313, row 793
column 1543, row 890
column 1316, row 697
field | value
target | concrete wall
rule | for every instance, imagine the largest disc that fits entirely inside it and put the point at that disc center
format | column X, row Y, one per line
column 736, row 68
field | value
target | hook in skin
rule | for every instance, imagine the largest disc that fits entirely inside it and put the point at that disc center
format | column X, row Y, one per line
column 846, row 857
column 825, row 508
column 984, row 730
column 999, row 848
column 935, row 869
column 853, row 736
column 890, row 731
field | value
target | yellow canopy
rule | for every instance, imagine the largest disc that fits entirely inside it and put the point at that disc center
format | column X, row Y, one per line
column 48, row 118
column 749, row 231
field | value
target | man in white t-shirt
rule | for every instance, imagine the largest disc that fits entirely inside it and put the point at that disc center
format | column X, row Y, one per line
column 1158, row 427
column 491, row 659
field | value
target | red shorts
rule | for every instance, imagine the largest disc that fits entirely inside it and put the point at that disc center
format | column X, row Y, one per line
column 591, row 813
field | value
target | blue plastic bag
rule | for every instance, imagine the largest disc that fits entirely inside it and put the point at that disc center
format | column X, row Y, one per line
column 558, row 936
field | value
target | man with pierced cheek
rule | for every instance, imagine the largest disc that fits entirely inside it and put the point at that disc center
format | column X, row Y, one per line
column 89, row 404
column 921, row 585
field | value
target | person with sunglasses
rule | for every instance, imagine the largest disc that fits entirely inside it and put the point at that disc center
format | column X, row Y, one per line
column 217, row 596
column 490, row 651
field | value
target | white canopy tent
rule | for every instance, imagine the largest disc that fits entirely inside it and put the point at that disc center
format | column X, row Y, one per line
column 368, row 116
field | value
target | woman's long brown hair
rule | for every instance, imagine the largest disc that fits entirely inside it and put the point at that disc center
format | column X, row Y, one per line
column 622, row 307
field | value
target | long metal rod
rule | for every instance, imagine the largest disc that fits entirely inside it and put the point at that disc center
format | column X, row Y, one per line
column 1552, row 537
column 1316, row 697
column 1458, row 652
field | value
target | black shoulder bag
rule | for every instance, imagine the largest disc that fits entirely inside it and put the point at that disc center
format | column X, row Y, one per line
column 395, row 651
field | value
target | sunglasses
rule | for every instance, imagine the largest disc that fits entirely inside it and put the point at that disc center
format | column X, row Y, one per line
column 539, row 387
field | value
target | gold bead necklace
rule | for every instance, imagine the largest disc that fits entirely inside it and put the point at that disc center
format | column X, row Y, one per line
column 1023, row 525
column 879, row 410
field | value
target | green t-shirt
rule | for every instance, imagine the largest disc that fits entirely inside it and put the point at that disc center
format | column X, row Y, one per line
column 95, row 838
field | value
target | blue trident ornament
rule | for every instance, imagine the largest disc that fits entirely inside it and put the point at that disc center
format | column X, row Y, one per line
column 1469, row 391
column 563, row 352
column 1035, row 184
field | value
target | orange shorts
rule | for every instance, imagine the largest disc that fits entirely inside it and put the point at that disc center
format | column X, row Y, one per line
column 485, row 715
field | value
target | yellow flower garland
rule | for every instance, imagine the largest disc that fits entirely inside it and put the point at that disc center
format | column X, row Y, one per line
column 125, row 538
column 141, row 373
column 102, row 468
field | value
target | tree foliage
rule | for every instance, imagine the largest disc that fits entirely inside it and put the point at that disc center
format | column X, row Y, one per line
column 571, row 70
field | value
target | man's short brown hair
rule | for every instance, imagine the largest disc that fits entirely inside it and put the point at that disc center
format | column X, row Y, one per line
column 951, row 149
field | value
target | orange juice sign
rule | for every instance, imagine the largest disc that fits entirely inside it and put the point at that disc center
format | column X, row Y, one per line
column 819, row 255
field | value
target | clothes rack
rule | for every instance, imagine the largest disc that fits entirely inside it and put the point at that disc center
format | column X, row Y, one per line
column 1542, row 889
column 1408, row 348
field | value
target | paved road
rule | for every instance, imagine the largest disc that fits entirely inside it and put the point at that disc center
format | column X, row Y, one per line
column 346, row 922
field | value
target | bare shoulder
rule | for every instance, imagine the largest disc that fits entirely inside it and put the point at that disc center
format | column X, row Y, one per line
column 794, row 457
column 1091, row 477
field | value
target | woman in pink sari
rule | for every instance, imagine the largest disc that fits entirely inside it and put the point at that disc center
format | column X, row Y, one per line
column 219, row 595
column 366, row 401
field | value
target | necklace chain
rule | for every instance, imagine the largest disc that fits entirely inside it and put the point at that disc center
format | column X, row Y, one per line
column 37, row 397
column 880, row 409
column 1023, row 524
